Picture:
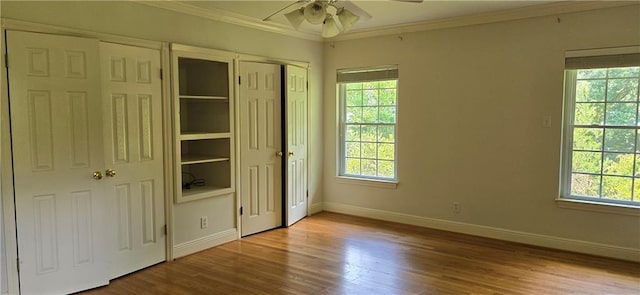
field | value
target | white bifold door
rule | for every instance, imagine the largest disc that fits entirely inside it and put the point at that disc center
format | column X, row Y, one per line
column 296, row 124
column 87, row 160
column 264, row 153
column 260, row 105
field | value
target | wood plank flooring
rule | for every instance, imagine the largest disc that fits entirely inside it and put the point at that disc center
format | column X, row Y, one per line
column 331, row 253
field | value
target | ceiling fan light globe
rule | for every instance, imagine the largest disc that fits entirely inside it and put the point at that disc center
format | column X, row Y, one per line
column 295, row 18
column 315, row 13
column 330, row 28
column 347, row 18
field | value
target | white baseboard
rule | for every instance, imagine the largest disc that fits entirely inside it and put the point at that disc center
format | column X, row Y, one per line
column 610, row 251
column 205, row 243
column 315, row 208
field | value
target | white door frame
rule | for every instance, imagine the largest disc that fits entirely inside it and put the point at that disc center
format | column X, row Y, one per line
column 6, row 164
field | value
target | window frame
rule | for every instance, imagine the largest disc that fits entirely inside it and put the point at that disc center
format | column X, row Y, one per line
column 341, row 93
column 566, row 199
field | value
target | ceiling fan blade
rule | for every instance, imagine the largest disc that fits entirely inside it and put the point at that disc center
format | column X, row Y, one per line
column 283, row 9
column 349, row 5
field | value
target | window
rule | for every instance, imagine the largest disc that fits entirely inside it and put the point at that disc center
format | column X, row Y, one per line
column 601, row 148
column 368, row 122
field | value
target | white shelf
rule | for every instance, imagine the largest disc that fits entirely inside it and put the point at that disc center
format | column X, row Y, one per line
column 199, row 192
column 198, row 135
column 204, row 97
column 198, row 159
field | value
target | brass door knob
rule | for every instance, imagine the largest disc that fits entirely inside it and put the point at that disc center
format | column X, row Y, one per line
column 97, row 175
column 291, row 154
column 279, row 154
column 110, row 172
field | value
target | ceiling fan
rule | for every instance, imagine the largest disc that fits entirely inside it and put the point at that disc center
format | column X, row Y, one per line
column 325, row 12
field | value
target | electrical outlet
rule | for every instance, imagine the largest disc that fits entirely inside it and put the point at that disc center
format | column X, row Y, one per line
column 546, row 121
column 204, row 222
column 457, row 207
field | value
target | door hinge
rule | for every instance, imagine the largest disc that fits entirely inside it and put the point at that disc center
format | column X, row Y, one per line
column 164, row 229
column 241, row 210
column 239, row 80
column 307, row 194
column 161, row 74
column 307, row 84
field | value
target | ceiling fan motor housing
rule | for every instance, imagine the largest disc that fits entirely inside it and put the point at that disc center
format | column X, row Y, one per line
column 315, row 12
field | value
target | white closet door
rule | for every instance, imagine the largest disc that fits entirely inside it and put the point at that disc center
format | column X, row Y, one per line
column 133, row 155
column 57, row 145
column 296, row 106
column 260, row 147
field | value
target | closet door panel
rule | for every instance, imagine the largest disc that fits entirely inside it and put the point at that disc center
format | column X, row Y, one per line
column 56, row 125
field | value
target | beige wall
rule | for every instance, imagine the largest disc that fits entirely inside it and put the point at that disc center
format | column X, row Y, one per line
column 142, row 21
column 471, row 107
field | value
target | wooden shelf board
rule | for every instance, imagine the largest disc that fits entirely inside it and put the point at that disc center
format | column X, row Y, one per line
column 198, row 192
column 204, row 97
column 198, row 159
column 204, row 135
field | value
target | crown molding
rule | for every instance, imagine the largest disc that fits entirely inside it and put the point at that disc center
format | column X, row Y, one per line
column 453, row 22
column 484, row 18
column 229, row 17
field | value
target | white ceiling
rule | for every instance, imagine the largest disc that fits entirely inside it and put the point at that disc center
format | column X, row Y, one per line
column 384, row 13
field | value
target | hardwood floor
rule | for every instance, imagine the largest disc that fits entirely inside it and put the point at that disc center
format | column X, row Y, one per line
column 337, row 254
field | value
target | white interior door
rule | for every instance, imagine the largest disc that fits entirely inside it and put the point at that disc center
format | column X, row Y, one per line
column 56, row 132
column 260, row 147
column 296, row 124
column 133, row 156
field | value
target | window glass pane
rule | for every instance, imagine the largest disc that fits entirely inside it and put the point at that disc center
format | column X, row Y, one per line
column 618, row 164
column 353, row 166
column 388, row 84
column 385, row 169
column 354, row 86
column 353, row 133
column 585, row 185
column 369, row 167
column 385, row 151
column 353, row 149
column 387, row 115
column 587, row 139
column 369, row 133
column 589, row 113
column 354, row 98
column 619, row 140
column 354, row 115
column 370, row 115
column 622, row 90
column 386, row 133
column 369, row 150
column 387, row 97
column 592, row 73
column 590, row 90
column 615, row 187
column 636, row 190
column 370, row 97
column 370, row 85
column 587, row 162
column 624, row 72
column 621, row 114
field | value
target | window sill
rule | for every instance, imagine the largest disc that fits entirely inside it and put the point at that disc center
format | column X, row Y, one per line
column 598, row 207
column 367, row 182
